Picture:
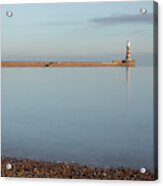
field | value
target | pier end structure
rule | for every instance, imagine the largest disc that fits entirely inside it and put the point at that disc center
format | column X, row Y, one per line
column 128, row 51
column 128, row 61
column 128, row 54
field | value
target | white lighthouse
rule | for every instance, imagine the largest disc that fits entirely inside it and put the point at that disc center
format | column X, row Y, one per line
column 128, row 51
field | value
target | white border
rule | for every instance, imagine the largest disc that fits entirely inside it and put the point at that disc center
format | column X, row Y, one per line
column 59, row 182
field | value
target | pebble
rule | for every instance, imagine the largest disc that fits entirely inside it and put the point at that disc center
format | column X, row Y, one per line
column 40, row 169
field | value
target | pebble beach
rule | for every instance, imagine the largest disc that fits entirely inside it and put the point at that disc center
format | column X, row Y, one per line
column 41, row 169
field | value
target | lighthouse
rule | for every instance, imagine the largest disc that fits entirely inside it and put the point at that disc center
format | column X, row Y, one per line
column 128, row 51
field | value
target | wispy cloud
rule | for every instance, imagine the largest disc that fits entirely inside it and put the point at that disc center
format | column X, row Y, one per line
column 105, row 21
column 122, row 19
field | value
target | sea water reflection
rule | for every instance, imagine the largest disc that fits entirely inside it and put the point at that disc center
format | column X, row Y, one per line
column 98, row 116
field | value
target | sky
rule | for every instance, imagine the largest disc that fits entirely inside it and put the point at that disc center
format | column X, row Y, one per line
column 76, row 31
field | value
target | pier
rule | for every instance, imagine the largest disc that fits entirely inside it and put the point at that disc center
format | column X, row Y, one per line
column 127, row 62
column 69, row 64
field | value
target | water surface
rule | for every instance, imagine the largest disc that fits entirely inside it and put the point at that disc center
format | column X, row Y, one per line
column 98, row 116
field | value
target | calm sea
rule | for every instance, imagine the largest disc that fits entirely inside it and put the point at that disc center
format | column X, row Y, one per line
column 97, row 116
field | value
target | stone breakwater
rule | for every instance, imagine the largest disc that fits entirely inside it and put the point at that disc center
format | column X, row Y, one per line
column 115, row 63
column 40, row 169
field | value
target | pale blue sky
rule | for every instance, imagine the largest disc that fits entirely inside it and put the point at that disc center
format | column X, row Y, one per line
column 76, row 31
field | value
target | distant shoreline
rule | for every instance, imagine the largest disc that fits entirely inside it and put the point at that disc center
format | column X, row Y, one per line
column 115, row 63
column 43, row 169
